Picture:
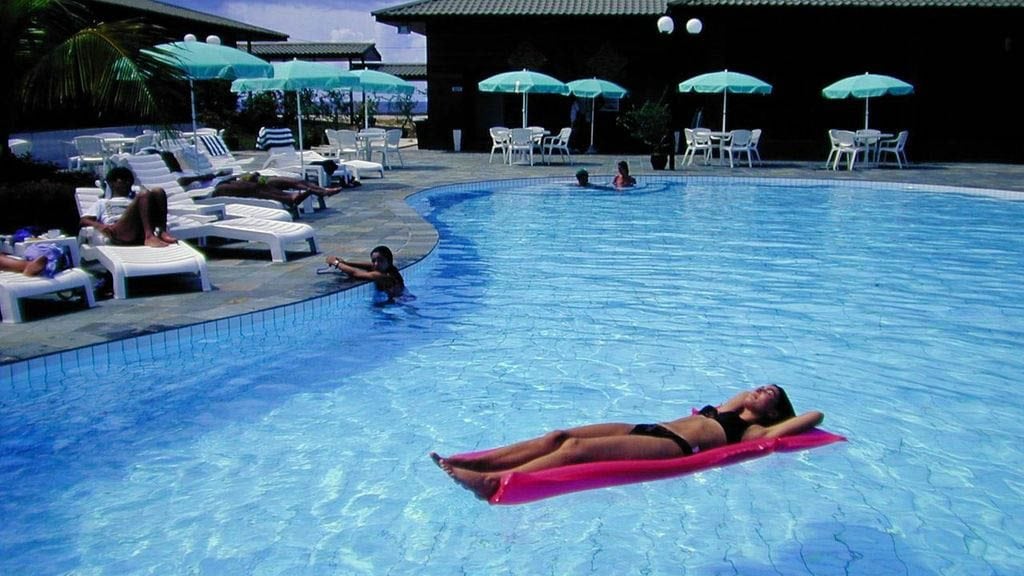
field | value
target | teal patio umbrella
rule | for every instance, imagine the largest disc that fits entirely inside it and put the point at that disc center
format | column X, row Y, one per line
column 378, row 82
column 209, row 61
column 725, row 82
column 867, row 86
column 592, row 88
column 298, row 75
column 523, row 82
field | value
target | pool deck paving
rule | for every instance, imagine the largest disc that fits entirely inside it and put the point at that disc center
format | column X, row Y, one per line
column 245, row 280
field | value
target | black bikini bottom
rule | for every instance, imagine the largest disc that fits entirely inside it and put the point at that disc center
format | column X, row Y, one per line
column 659, row 431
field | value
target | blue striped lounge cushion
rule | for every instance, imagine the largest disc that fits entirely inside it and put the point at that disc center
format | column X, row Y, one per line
column 214, row 145
column 274, row 137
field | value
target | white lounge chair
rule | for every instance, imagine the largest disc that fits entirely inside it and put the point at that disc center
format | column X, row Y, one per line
column 287, row 158
column 125, row 262
column 14, row 286
column 220, row 155
column 151, row 171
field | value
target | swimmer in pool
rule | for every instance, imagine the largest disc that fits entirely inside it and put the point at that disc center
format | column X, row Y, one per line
column 764, row 412
column 381, row 270
column 622, row 178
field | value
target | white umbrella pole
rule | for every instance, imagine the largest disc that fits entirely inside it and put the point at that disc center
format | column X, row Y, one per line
column 725, row 106
column 593, row 108
column 192, row 91
column 366, row 111
column 526, row 108
column 298, row 101
column 866, row 113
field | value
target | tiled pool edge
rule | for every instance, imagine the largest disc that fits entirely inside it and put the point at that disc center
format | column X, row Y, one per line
column 136, row 347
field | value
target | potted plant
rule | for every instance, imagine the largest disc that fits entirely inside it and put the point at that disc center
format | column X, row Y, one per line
column 649, row 123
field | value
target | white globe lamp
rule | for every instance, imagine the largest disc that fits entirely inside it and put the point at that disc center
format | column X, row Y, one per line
column 694, row 25
column 666, row 25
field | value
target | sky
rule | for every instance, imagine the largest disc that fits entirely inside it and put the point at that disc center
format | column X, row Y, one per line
column 321, row 21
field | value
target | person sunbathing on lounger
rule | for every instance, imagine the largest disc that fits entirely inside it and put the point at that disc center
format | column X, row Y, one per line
column 764, row 412
column 143, row 222
column 26, row 267
column 380, row 270
column 288, row 191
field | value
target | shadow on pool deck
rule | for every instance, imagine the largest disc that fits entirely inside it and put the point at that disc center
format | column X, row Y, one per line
column 245, row 280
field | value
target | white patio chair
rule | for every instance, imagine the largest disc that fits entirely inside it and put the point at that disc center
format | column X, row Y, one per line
column 538, row 140
column 559, row 142
column 390, row 147
column 90, row 155
column 846, row 144
column 895, row 146
column 143, row 141
column 521, row 143
column 346, row 144
column 499, row 142
column 755, row 141
column 834, row 147
column 696, row 142
column 738, row 143
column 371, row 141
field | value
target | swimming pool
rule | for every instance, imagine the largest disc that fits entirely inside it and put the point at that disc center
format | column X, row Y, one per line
column 295, row 441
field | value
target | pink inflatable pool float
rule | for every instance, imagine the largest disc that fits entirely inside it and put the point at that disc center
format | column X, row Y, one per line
column 522, row 487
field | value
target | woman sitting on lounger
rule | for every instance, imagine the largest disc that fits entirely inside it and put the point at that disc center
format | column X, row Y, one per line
column 761, row 413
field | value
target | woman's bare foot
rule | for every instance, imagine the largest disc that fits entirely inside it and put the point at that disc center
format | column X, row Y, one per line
column 35, row 267
column 482, row 485
column 154, row 242
column 166, row 237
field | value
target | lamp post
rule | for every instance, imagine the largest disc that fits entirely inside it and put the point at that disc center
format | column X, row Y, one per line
column 666, row 25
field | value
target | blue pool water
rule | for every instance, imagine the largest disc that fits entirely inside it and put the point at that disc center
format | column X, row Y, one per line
column 295, row 441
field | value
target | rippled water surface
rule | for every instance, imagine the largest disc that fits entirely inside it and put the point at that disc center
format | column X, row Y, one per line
column 300, row 446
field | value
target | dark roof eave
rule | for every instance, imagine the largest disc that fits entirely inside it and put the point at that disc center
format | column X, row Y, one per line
column 364, row 51
column 675, row 5
column 167, row 11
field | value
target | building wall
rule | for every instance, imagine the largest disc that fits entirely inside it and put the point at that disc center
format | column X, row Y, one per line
column 960, row 62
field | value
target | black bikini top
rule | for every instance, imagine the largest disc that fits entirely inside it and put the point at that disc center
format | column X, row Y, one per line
column 731, row 423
